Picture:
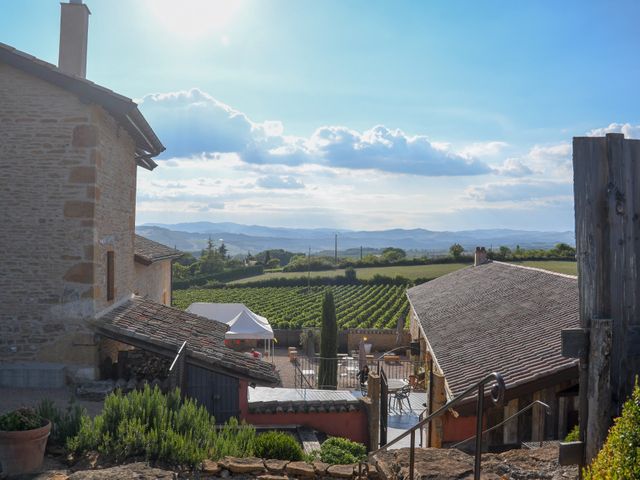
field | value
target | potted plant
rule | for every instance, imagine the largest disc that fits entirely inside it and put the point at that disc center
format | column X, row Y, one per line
column 23, row 438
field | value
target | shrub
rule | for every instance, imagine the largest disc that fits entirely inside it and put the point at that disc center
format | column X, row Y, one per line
column 278, row 445
column 573, row 435
column 338, row 451
column 620, row 456
column 160, row 427
column 64, row 424
column 20, row 420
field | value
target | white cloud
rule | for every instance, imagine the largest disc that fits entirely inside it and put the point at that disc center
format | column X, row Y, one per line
column 630, row 131
column 193, row 122
column 279, row 182
column 513, row 167
column 484, row 149
column 521, row 191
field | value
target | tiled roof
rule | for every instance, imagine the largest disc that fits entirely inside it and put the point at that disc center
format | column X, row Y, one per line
column 143, row 320
column 123, row 109
column 288, row 406
column 291, row 400
column 497, row 317
column 147, row 251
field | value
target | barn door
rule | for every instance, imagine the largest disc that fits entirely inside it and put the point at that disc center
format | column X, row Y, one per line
column 218, row 393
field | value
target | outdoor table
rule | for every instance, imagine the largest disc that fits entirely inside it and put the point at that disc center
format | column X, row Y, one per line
column 395, row 384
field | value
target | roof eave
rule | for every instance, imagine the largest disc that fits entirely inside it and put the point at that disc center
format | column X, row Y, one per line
column 123, row 109
column 148, row 261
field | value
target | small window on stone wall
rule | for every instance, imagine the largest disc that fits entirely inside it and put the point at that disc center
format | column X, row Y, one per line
column 110, row 276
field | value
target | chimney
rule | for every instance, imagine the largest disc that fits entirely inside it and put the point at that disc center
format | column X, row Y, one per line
column 480, row 256
column 74, row 30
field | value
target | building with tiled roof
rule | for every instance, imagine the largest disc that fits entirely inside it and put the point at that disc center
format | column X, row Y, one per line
column 505, row 318
column 80, row 291
column 153, row 269
column 147, row 324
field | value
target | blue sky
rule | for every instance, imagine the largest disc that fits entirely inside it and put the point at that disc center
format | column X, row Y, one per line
column 360, row 114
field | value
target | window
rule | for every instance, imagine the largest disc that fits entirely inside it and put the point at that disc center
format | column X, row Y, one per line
column 110, row 276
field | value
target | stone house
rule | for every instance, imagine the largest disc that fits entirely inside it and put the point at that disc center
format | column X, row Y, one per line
column 497, row 317
column 69, row 154
column 152, row 269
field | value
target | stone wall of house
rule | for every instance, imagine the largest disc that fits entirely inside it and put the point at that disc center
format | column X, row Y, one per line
column 68, row 184
column 115, row 199
column 154, row 281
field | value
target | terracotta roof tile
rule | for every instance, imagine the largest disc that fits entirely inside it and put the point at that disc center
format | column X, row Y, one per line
column 147, row 251
column 497, row 317
column 169, row 327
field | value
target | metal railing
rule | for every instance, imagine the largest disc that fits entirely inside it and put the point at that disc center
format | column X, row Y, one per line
column 307, row 369
column 497, row 396
column 300, row 380
column 547, row 411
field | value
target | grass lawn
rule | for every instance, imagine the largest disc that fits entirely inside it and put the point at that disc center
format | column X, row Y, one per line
column 570, row 268
column 414, row 271
column 411, row 272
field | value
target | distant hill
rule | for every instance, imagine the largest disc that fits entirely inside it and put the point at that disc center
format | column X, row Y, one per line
column 239, row 239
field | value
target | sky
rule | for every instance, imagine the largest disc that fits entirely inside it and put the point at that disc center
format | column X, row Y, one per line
column 361, row 114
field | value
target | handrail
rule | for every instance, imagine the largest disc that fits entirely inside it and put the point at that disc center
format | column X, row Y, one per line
column 497, row 396
column 547, row 411
column 175, row 360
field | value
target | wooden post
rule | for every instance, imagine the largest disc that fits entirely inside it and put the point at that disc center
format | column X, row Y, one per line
column 373, row 392
column 607, row 212
column 510, row 429
column 439, row 399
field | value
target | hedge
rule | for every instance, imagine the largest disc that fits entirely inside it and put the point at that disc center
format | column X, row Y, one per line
column 225, row 276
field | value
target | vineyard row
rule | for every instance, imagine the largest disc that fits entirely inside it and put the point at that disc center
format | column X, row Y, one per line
column 357, row 306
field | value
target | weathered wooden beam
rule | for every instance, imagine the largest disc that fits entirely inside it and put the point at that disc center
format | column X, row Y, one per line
column 607, row 209
column 590, row 177
column 570, row 453
column 575, row 342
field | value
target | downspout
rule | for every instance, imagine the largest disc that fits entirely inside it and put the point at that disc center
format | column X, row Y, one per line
column 171, row 282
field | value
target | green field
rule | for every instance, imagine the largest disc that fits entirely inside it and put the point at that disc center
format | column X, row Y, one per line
column 411, row 272
column 357, row 306
column 570, row 268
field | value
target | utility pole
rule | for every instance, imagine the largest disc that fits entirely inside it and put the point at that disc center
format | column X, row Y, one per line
column 360, row 252
column 335, row 260
column 309, row 271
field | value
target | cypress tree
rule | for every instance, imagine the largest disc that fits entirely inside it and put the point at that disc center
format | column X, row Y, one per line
column 328, row 371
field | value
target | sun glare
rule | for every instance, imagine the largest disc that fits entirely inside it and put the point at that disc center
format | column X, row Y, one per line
column 194, row 18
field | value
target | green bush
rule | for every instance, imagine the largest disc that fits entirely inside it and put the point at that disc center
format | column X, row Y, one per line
column 619, row 458
column 278, row 445
column 20, row 420
column 339, row 451
column 160, row 427
column 573, row 435
column 64, row 424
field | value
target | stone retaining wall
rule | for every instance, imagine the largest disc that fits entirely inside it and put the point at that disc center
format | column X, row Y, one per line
column 282, row 469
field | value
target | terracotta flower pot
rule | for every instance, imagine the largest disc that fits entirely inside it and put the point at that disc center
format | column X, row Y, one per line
column 23, row 452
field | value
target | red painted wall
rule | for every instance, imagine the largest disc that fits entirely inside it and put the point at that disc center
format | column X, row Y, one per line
column 351, row 425
column 458, row 429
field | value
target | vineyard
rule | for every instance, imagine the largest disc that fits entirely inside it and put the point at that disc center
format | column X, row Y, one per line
column 357, row 306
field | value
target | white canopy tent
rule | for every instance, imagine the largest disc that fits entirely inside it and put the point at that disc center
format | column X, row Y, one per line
column 243, row 323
